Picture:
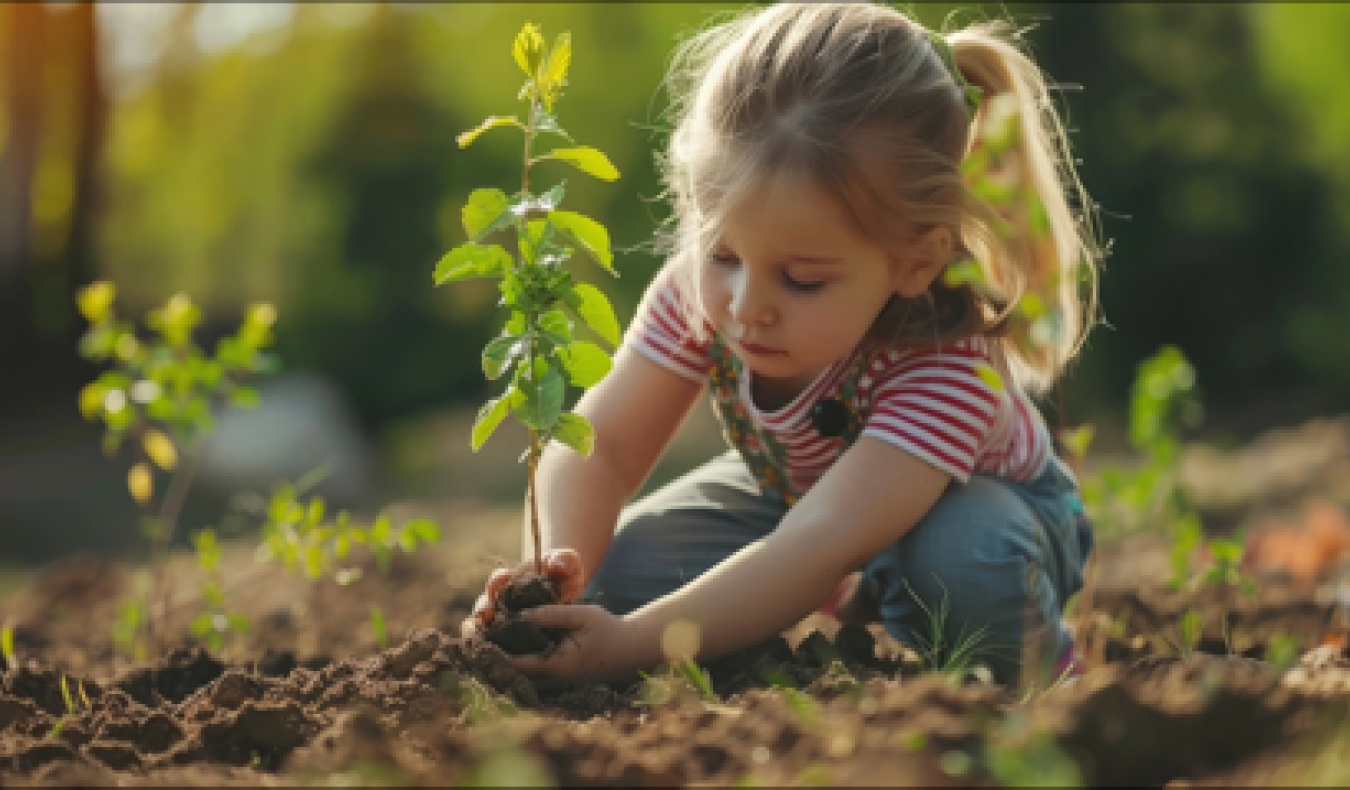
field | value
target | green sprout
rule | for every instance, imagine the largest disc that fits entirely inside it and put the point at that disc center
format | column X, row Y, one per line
column 7, row 644
column 297, row 534
column 1282, row 651
column 956, row 660
column 377, row 625
column 216, row 622
column 71, row 707
column 689, row 670
column 160, row 392
column 538, row 349
column 1191, row 628
column 128, row 626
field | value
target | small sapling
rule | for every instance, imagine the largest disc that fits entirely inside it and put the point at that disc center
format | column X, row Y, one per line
column 537, row 351
column 159, row 393
column 298, row 534
column 216, row 622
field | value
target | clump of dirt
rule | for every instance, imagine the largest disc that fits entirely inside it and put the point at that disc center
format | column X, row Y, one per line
column 513, row 633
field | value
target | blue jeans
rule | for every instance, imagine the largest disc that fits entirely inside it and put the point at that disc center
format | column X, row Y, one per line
column 993, row 559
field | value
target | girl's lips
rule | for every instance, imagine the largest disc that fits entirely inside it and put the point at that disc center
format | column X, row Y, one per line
column 758, row 350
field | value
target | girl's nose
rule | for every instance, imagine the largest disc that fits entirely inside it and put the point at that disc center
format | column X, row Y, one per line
column 749, row 304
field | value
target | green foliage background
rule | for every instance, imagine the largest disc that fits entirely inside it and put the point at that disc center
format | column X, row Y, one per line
column 323, row 174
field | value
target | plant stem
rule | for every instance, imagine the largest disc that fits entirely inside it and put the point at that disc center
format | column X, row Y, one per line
column 523, row 226
column 534, row 505
column 168, row 521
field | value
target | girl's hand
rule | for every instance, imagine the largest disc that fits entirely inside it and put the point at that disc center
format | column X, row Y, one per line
column 561, row 566
column 593, row 646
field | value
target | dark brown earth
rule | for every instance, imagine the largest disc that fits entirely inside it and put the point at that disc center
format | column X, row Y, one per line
column 309, row 696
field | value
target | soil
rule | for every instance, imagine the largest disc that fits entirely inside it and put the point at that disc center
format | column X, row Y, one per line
column 311, row 696
column 516, row 635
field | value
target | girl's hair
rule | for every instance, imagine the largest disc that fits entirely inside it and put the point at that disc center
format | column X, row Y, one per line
column 859, row 99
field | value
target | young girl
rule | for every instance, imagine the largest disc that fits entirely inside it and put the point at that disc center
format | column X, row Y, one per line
column 882, row 445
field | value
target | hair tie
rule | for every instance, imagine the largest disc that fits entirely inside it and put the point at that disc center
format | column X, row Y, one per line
column 973, row 93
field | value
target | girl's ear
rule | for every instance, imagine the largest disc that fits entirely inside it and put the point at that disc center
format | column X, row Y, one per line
column 927, row 256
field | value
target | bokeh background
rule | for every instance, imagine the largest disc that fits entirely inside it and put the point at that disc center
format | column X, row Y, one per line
column 304, row 154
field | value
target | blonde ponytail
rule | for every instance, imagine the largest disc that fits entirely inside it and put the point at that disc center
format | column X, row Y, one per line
column 1039, row 249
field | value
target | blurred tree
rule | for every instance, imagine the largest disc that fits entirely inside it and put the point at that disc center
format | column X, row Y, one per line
column 368, row 316
column 322, row 173
column 1213, row 214
column 55, row 120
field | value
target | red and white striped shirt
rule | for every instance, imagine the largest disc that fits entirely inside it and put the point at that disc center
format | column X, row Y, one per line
column 939, row 404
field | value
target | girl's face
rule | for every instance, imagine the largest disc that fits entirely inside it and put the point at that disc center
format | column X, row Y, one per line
column 792, row 283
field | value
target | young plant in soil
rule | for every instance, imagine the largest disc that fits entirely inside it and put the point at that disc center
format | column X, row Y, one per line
column 537, row 348
column 296, row 534
column 216, row 623
column 160, row 394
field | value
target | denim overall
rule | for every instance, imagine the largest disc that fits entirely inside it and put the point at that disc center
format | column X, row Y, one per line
column 993, row 561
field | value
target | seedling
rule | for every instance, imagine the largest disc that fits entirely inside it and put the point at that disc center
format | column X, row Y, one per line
column 377, row 626
column 698, row 677
column 160, row 393
column 935, row 654
column 1282, row 651
column 7, row 645
column 537, row 350
column 216, row 623
column 297, row 534
column 128, row 628
column 71, row 707
column 1191, row 627
column 1163, row 402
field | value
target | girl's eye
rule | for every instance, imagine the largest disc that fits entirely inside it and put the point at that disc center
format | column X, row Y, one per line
column 799, row 286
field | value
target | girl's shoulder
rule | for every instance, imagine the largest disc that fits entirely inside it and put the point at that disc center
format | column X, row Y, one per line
column 889, row 357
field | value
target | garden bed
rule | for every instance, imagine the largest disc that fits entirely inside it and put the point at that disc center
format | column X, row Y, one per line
column 310, row 696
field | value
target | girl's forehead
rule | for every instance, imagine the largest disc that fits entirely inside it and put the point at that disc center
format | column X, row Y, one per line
column 791, row 212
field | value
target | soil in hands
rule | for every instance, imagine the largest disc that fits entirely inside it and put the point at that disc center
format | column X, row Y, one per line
column 513, row 633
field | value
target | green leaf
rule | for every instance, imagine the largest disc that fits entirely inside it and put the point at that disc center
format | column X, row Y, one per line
column 465, row 139
column 585, row 362
column 555, row 73
column 528, row 49
column 576, row 432
column 203, row 624
column 586, row 159
column 588, row 233
column 7, row 644
column 500, row 353
column 95, row 299
column 532, row 242
column 543, row 394
column 556, row 323
column 425, row 529
column 487, row 210
column 489, row 417
column 245, row 397
column 595, row 309
column 313, row 561
column 468, row 261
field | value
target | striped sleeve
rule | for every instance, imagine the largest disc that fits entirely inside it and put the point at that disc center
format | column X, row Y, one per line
column 937, row 406
column 660, row 331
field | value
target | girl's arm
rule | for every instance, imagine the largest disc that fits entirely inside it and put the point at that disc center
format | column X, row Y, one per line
column 635, row 411
column 852, row 513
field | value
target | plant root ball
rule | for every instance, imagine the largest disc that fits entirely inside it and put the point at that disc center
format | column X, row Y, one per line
column 517, row 636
